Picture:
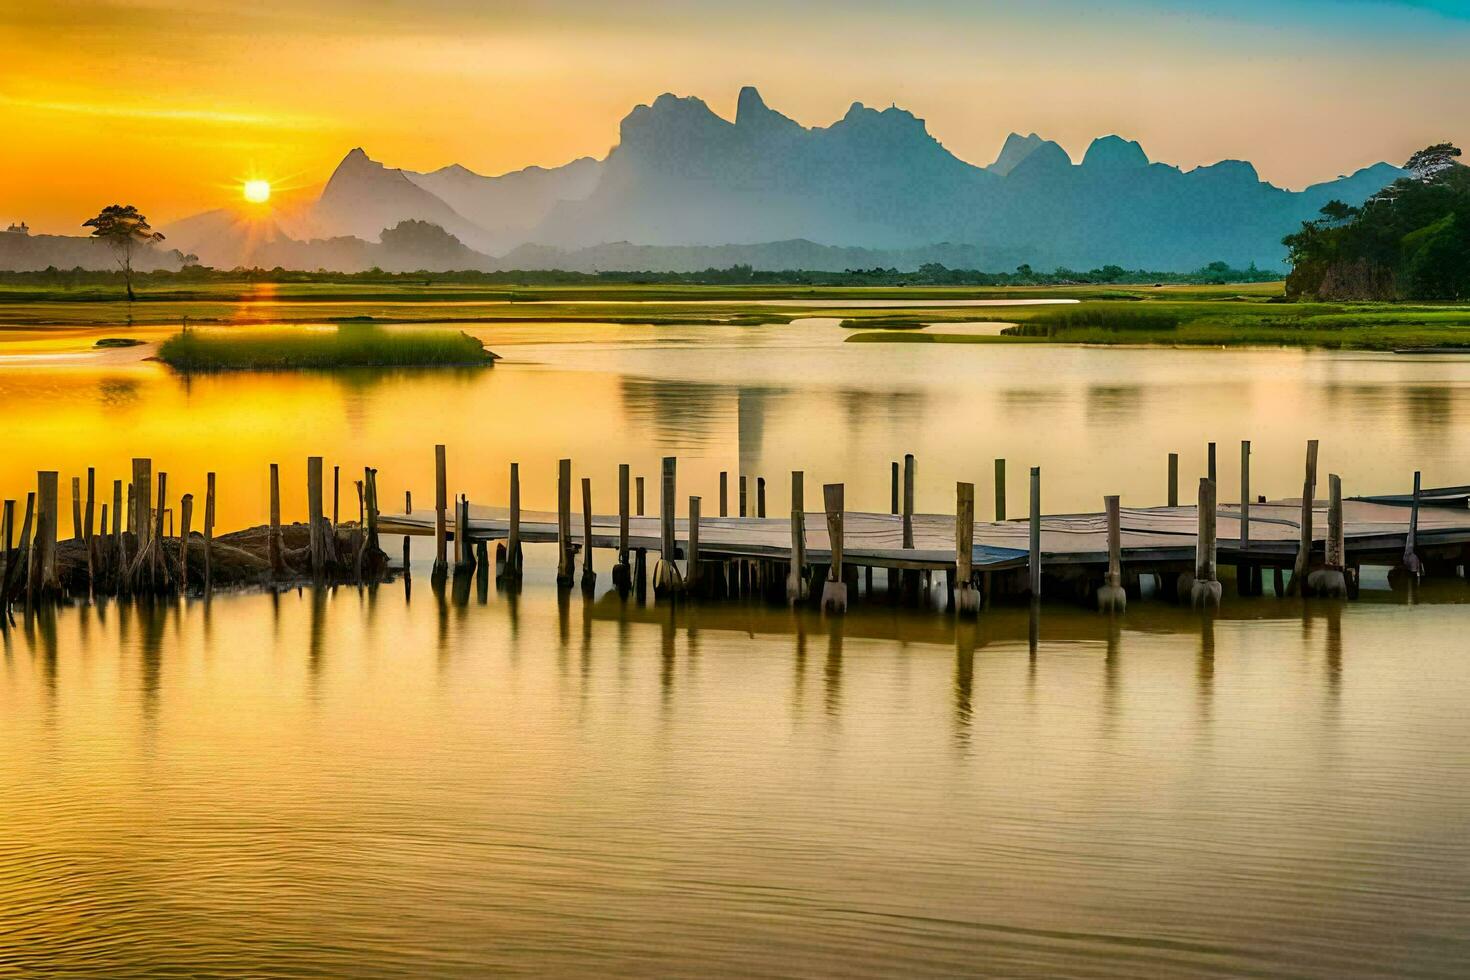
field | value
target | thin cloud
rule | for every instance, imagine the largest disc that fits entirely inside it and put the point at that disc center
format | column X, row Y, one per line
column 211, row 116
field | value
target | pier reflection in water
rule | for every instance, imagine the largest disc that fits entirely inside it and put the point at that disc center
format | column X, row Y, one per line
column 341, row 782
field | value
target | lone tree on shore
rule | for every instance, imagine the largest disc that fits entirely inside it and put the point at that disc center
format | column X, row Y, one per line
column 124, row 229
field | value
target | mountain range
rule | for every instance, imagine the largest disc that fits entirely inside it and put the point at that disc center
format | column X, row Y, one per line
column 681, row 177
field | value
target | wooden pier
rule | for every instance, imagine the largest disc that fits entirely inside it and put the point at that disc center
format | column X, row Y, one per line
column 826, row 555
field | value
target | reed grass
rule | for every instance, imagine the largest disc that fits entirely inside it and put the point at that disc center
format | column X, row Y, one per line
column 343, row 346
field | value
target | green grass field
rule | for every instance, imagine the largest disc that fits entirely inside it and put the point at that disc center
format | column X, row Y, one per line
column 1171, row 315
column 349, row 345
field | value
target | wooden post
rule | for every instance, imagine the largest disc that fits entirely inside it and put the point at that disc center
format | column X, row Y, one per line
column 1000, row 489
column 370, row 505
column 691, row 560
column 564, row 522
column 513, row 534
column 1411, row 541
column 1245, row 573
column 834, row 590
column 796, row 587
column 966, row 598
column 724, row 493
column 908, row 500
column 1034, row 560
column 893, row 472
column 1206, row 591
column 589, row 577
column 640, row 555
column 47, row 519
column 1112, row 597
column 87, row 525
column 1331, row 580
column 155, row 542
column 8, row 539
column 25, row 567
column 314, row 515
column 742, row 495
column 623, row 506
column 760, row 496
column 117, row 510
column 464, row 553
column 76, row 508
column 208, row 533
column 638, row 496
column 1304, row 549
column 666, row 577
column 273, row 541
column 1211, row 465
column 142, row 494
column 1173, row 479
column 336, row 494
column 186, row 515
column 441, row 502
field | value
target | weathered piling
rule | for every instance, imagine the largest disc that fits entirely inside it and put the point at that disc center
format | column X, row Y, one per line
column 407, row 509
column 1210, row 466
column 893, row 471
column 19, row 569
column 1304, row 550
column 620, row 572
column 47, row 520
column 273, row 541
column 370, row 549
column 7, row 539
column 1173, row 480
column 314, row 516
column 76, row 508
column 1205, row 591
column 1034, row 557
column 336, row 494
column 142, row 515
column 589, row 576
column 1330, row 580
column 208, row 533
column 966, row 598
column 441, row 503
column 908, row 500
column 666, row 579
column 564, row 560
column 1411, row 542
column 760, row 496
column 1246, row 573
column 691, row 563
column 742, row 495
column 834, row 589
column 796, row 587
column 640, row 555
column 724, row 493
column 186, row 514
column 1111, row 597
column 513, row 558
column 464, row 552
column 1000, row 489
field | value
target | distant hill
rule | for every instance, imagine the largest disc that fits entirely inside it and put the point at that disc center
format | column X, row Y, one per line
column 29, row 253
column 682, row 176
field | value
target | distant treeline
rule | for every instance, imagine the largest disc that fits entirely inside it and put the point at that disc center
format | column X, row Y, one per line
column 1409, row 241
column 932, row 274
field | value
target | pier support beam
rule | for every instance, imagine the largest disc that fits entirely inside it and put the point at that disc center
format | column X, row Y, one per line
column 1330, row 581
column 273, row 541
column 691, row 560
column 834, row 589
column 1245, row 573
column 589, row 576
column 966, row 598
column 1112, row 597
column 441, row 504
column 564, row 560
column 1205, row 592
column 1173, row 497
column 620, row 572
column 1304, row 548
column 666, row 579
column 208, row 534
column 1000, row 489
column 796, row 586
column 1034, row 560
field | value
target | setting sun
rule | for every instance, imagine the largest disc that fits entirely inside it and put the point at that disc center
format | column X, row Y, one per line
column 257, row 191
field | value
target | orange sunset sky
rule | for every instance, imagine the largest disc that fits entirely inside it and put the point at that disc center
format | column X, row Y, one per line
column 170, row 104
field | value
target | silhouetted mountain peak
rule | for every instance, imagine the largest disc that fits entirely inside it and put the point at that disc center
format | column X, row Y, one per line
column 1016, row 149
column 1046, row 159
column 1114, row 153
column 1229, row 171
column 752, row 114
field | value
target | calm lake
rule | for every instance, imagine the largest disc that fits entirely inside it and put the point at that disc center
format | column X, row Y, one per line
column 378, row 783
